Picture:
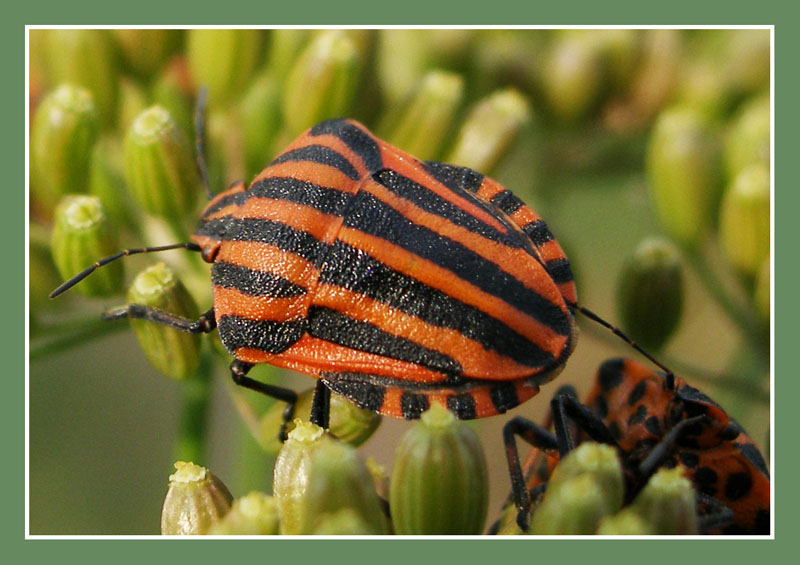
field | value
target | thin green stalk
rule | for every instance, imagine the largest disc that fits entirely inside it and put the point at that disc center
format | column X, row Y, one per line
column 190, row 445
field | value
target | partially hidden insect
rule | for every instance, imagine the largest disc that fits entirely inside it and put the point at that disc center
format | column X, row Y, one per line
column 654, row 420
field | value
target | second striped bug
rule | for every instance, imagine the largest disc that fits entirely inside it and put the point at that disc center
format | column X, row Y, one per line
column 396, row 283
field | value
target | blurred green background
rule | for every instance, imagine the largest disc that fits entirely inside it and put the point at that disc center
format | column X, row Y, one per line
column 613, row 136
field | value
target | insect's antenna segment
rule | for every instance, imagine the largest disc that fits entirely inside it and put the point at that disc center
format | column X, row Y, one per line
column 669, row 375
column 200, row 137
column 86, row 272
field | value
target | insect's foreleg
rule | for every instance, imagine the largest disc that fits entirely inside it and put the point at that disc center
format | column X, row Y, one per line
column 667, row 445
column 321, row 406
column 239, row 370
column 205, row 324
column 539, row 438
column 564, row 406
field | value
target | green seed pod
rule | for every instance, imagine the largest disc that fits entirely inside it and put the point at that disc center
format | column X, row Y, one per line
column 174, row 92
column 159, row 165
column 422, row 125
column 667, row 503
column 762, row 291
column 650, row 293
column 285, row 46
column 291, row 473
column 574, row 508
column 147, row 50
column 744, row 227
column 572, row 78
column 195, row 500
column 322, row 81
column 628, row 522
column 338, row 480
column 747, row 64
column 62, row 135
column 489, row 129
column 173, row 352
column 132, row 102
column 348, row 422
column 224, row 61
column 748, row 140
column 81, row 235
column 439, row 483
column 255, row 514
column 601, row 462
column 684, row 174
column 86, row 58
column 403, row 57
column 657, row 72
column 260, row 118
column 106, row 181
column 343, row 522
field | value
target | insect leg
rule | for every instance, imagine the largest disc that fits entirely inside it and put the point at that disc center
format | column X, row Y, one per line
column 239, row 370
column 205, row 324
column 321, row 406
column 666, row 446
column 716, row 514
column 565, row 406
column 536, row 436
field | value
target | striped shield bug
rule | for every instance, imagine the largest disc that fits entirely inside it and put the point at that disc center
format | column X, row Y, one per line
column 654, row 420
column 396, row 283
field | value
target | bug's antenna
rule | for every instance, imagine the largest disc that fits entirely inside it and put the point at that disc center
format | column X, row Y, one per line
column 124, row 253
column 199, row 139
column 669, row 375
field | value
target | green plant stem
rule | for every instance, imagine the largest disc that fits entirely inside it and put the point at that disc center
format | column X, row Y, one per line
column 55, row 338
column 196, row 401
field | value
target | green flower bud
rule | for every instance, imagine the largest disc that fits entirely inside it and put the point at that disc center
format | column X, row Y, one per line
column 439, row 483
column 421, row 127
column 173, row 352
column 147, row 50
column 195, row 500
column 86, row 58
column 657, row 72
column 174, row 92
column 650, row 293
column 81, row 235
column 260, row 118
column 62, row 135
column 667, row 503
column 322, row 81
column 747, row 64
column 132, row 102
column 106, row 180
column 285, row 46
column 506, row 56
column 403, row 57
column 683, row 172
column 625, row 523
column 223, row 60
column 586, row 486
column 762, row 291
column 255, row 514
column 338, row 480
column 343, row 522
column 572, row 78
column 748, row 140
column 574, row 508
column 489, row 129
column 744, row 226
column 703, row 90
column 159, row 165
column 291, row 474
column 348, row 422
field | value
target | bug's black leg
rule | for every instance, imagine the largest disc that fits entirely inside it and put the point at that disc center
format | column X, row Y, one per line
column 321, row 406
column 536, row 436
column 666, row 446
column 239, row 370
column 203, row 325
column 565, row 406
column 716, row 514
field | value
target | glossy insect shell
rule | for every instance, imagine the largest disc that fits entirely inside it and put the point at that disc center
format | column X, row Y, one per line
column 397, row 282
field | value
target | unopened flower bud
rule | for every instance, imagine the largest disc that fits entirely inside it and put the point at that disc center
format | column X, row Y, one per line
column 439, row 482
column 195, row 500
column 744, row 224
column 748, row 140
column 627, row 522
column 260, row 118
column 173, row 352
column 762, row 292
column 572, row 78
column 343, row 522
column 63, row 132
column 489, row 129
column 82, row 234
column 667, row 503
column 255, row 514
column 159, row 165
column 146, row 50
column 650, row 293
column 106, row 181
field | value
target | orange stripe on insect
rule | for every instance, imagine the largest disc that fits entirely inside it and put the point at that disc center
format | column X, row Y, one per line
column 267, row 257
column 233, row 302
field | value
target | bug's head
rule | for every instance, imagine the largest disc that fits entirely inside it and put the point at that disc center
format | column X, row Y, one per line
column 217, row 220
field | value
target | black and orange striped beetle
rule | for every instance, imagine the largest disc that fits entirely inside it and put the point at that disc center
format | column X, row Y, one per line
column 396, row 283
column 654, row 420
